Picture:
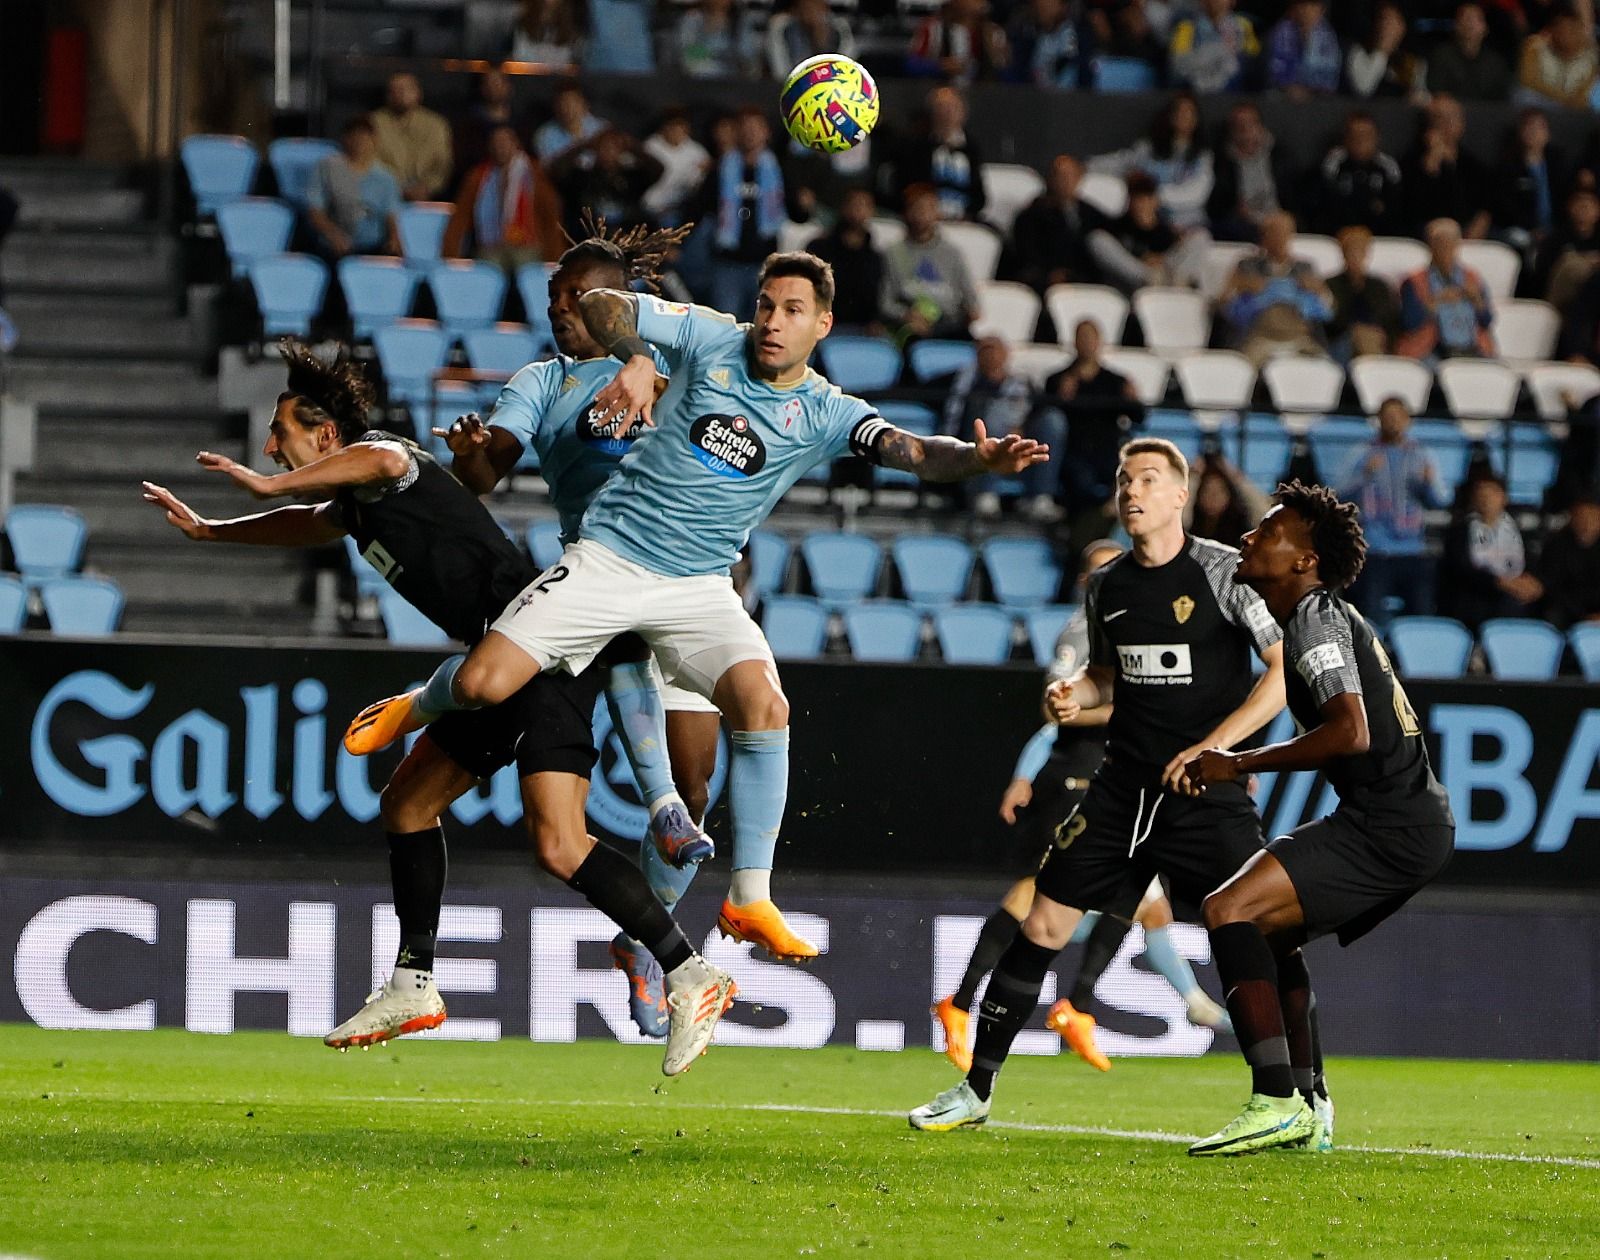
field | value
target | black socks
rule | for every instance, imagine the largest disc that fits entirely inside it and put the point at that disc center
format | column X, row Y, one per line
column 417, row 868
column 1105, row 938
column 998, row 931
column 1007, row 1005
column 1250, row 981
column 1300, row 1026
column 617, row 888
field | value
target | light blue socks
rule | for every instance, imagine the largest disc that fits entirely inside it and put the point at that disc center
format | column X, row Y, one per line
column 641, row 722
column 758, row 781
column 1165, row 958
column 438, row 695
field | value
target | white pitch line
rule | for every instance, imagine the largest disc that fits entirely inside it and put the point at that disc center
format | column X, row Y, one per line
column 1075, row 1130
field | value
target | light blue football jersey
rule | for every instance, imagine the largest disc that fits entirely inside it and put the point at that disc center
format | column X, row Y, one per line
column 726, row 448
column 546, row 406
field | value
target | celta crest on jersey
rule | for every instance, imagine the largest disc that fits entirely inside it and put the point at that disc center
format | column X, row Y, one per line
column 728, row 445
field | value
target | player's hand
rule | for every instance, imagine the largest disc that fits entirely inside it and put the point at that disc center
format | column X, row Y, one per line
column 1059, row 702
column 1172, row 776
column 1214, row 765
column 257, row 484
column 1018, row 793
column 1007, row 455
column 467, row 436
column 179, row 513
column 625, row 403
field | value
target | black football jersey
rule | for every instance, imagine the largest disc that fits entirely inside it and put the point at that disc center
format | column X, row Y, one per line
column 436, row 544
column 1329, row 650
column 1180, row 637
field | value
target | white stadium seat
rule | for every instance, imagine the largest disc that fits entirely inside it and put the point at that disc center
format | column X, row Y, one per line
column 1394, row 258
column 1552, row 383
column 1478, row 389
column 1174, row 320
column 1322, row 252
column 1497, row 263
column 1039, row 361
column 1304, row 385
column 1106, row 193
column 1216, row 380
column 1526, row 330
column 1006, row 310
column 978, row 245
column 1222, row 259
column 1070, row 304
column 1147, row 372
column 792, row 235
column 1007, row 190
column 1380, row 376
column 886, row 232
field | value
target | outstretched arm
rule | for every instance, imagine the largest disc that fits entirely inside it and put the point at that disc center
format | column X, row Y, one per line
column 950, row 459
column 300, row 526
column 364, row 464
column 1341, row 733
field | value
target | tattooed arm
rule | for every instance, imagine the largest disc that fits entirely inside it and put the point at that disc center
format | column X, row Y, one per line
column 950, row 459
column 613, row 320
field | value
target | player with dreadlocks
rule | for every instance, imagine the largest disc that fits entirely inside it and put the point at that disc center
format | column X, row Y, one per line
column 439, row 547
column 1344, row 874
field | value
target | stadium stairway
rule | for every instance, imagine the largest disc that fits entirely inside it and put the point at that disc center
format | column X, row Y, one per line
column 115, row 372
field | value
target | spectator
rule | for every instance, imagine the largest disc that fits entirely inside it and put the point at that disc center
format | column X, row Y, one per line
column 1249, row 179
column 1276, row 303
column 714, row 40
column 1379, row 65
column 618, row 38
column 946, row 157
column 507, row 208
column 413, row 142
column 1569, row 256
column 550, row 32
column 1303, row 56
column 744, row 202
column 1569, row 567
column 1441, row 180
column 1050, row 238
column 1174, row 155
column 1529, row 183
column 1132, row 36
column 491, row 107
column 607, row 177
column 352, row 198
column 988, row 390
column 1223, row 505
column 570, row 124
column 808, row 29
column 1393, row 482
column 1045, row 48
column 857, row 265
column 1141, row 248
column 1445, row 311
column 684, row 163
column 927, row 289
column 1485, row 568
column 1358, row 183
column 1558, row 63
column 1101, row 410
column 1366, row 313
column 958, row 43
column 1467, row 65
column 1214, row 50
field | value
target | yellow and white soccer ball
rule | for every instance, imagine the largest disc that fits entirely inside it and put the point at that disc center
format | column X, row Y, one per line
column 829, row 103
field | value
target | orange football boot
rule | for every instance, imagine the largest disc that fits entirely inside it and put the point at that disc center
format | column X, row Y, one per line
column 761, row 923
column 954, row 1021
column 1077, row 1030
column 379, row 725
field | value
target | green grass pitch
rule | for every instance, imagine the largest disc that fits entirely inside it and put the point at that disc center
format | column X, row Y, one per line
column 166, row 1144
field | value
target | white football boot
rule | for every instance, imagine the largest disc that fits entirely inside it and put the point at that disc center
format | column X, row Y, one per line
column 694, row 1006
column 408, row 1002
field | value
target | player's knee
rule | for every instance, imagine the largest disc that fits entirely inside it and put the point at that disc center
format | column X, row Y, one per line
column 1219, row 909
column 766, row 712
column 478, row 684
column 558, row 852
column 402, row 815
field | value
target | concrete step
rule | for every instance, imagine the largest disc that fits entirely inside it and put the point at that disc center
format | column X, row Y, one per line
column 113, row 505
column 286, row 621
column 30, row 177
column 77, row 326
column 89, row 259
column 109, row 443
column 84, row 380
column 81, row 207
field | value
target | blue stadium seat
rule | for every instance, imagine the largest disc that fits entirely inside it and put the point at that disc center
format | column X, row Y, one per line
column 1450, row 448
column 533, row 284
column 769, row 561
column 439, row 408
column 883, row 630
column 421, row 225
column 1044, row 628
column 1521, row 650
column 289, row 291
column 1585, row 641
column 252, row 228
column 1178, row 427
column 796, row 626
column 914, row 418
column 219, row 168
column 1022, row 571
column 1430, row 647
column 13, row 605
column 1123, row 74
column 82, row 605
column 377, row 291
column 974, row 634
column 368, row 580
column 544, row 543
column 1534, row 457
column 934, row 358
column 46, row 541
column 292, row 160
column 843, row 567
column 860, row 365
column 404, row 624
column 504, row 348
column 410, row 351
column 933, row 568
column 1336, row 441
column 1266, row 451
column 468, row 294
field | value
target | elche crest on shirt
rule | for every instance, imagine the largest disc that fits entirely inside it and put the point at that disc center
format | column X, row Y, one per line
column 1182, row 608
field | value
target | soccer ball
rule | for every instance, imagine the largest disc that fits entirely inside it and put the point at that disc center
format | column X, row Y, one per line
column 829, row 103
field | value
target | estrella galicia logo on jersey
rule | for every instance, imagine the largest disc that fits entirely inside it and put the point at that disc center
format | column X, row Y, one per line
column 728, row 445
column 606, row 438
